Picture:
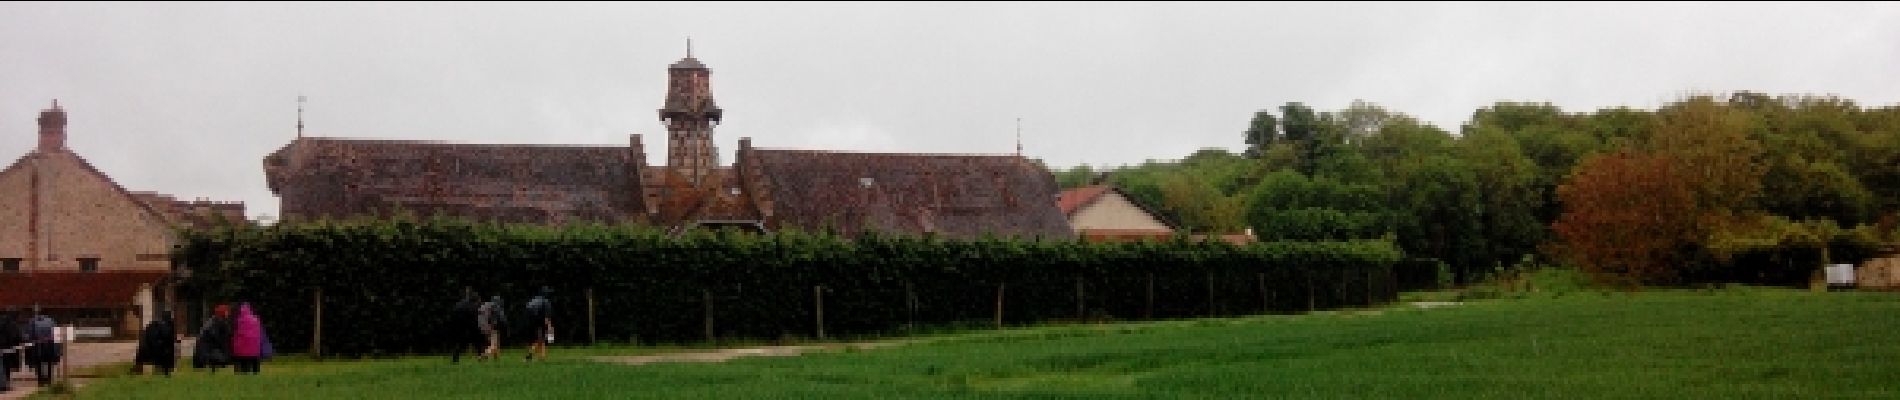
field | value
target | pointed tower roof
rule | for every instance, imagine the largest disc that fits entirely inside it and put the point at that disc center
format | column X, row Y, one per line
column 689, row 62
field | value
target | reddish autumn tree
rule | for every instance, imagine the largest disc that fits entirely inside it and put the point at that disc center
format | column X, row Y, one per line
column 1629, row 218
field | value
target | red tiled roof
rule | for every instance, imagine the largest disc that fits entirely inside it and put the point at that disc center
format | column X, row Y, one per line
column 73, row 289
column 1074, row 199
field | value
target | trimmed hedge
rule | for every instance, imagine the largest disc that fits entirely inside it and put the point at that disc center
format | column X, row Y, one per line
column 387, row 286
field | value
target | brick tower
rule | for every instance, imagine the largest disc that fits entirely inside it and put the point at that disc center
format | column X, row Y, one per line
column 689, row 116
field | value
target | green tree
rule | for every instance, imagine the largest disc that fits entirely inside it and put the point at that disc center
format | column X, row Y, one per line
column 1708, row 142
column 1262, row 131
column 1509, row 198
column 1074, row 177
column 1287, row 205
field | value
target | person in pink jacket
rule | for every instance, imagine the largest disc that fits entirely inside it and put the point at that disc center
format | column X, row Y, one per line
column 247, row 340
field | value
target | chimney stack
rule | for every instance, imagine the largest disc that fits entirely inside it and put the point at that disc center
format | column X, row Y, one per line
column 53, row 128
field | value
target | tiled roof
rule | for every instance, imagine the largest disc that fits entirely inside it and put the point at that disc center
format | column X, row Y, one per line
column 1074, row 199
column 325, row 177
column 951, row 195
column 195, row 213
column 73, row 289
column 688, row 63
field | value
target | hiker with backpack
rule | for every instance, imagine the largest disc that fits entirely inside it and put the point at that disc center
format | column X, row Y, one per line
column 539, row 316
column 45, row 353
column 214, row 341
column 492, row 321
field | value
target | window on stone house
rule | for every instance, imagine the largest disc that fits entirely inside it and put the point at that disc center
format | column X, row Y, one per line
column 89, row 264
column 9, row 265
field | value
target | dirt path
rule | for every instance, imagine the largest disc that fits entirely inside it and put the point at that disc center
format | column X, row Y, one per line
column 721, row 355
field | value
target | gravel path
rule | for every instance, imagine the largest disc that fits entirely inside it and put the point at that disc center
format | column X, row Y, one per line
column 721, row 355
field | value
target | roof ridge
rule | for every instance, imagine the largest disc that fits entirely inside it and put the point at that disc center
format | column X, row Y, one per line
column 162, row 218
column 348, row 140
column 866, row 152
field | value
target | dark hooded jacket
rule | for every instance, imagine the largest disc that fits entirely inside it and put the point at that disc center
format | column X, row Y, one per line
column 214, row 344
column 464, row 326
column 158, row 345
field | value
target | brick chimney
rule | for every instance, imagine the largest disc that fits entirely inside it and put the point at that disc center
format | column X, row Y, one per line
column 53, row 128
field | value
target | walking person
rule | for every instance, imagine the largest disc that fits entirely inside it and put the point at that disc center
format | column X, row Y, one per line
column 247, row 341
column 10, row 347
column 158, row 346
column 45, row 354
column 492, row 320
column 539, row 315
column 464, row 330
column 214, row 341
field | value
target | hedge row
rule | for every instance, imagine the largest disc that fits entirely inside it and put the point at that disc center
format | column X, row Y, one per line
column 386, row 286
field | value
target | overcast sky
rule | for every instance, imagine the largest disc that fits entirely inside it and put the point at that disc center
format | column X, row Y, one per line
column 187, row 98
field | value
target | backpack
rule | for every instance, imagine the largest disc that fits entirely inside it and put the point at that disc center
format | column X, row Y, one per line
column 485, row 317
column 42, row 330
column 265, row 352
column 538, row 309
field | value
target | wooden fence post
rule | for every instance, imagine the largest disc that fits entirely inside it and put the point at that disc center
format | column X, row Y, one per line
column 1310, row 303
column 316, row 331
column 1260, row 281
column 818, row 292
column 1081, row 300
column 910, row 305
column 709, row 314
column 1149, row 311
column 590, row 317
column 1210, row 294
column 1369, row 300
column 999, row 304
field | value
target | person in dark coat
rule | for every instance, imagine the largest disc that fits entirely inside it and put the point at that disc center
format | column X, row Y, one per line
column 10, row 341
column 214, row 341
column 463, row 329
column 158, row 346
column 44, row 357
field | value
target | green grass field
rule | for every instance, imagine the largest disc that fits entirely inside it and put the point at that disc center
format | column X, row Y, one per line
column 1723, row 344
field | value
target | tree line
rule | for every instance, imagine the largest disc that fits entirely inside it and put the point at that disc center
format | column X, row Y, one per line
column 1745, row 187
